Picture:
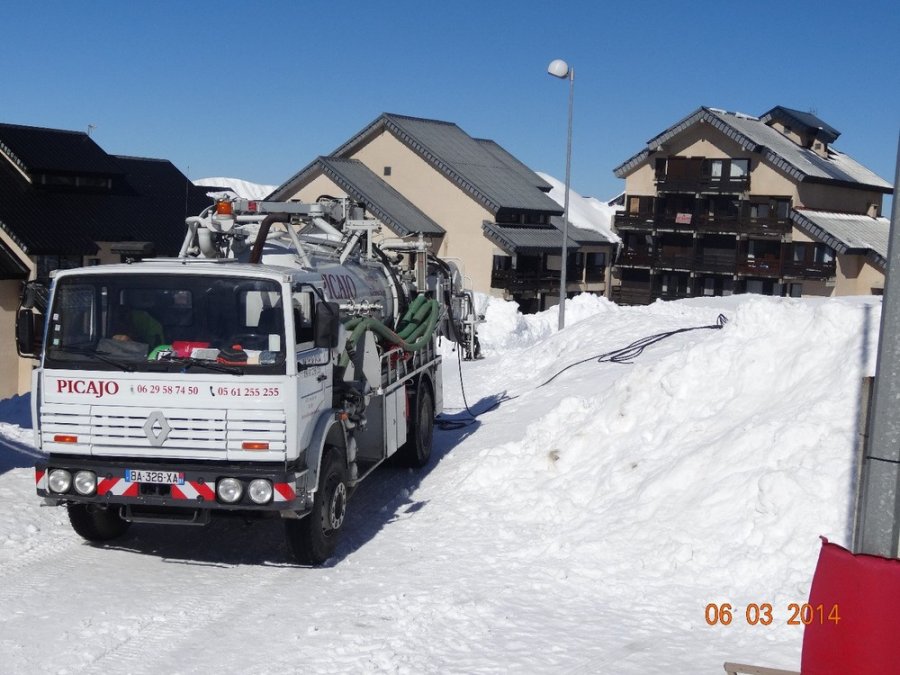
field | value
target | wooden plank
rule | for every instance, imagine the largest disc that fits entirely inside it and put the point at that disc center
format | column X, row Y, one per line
column 735, row 668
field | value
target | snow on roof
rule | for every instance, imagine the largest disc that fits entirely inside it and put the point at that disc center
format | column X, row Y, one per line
column 240, row 188
column 847, row 231
column 587, row 213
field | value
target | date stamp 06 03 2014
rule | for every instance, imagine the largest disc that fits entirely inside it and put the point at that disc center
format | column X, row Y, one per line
column 764, row 614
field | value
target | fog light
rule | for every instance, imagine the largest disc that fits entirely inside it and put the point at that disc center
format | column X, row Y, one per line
column 260, row 491
column 85, row 483
column 229, row 490
column 59, row 481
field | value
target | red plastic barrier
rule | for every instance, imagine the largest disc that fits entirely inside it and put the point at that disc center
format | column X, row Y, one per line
column 852, row 621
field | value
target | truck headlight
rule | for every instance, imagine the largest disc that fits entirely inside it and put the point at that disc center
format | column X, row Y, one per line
column 229, row 490
column 260, row 491
column 85, row 483
column 59, row 481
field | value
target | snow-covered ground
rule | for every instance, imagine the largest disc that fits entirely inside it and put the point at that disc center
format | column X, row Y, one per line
column 578, row 525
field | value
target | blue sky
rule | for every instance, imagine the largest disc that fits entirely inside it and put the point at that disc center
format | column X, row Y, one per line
column 257, row 90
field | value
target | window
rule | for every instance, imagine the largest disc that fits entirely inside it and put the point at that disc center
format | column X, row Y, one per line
column 799, row 253
column 387, row 171
column 796, row 290
column 715, row 169
column 740, row 168
column 782, row 208
column 823, row 254
column 304, row 310
column 502, row 262
column 760, row 210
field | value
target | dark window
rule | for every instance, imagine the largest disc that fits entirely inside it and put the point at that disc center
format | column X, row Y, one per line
column 502, row 262
column 387, row 171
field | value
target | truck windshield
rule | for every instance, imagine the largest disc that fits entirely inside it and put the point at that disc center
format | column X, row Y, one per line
column 155, row 322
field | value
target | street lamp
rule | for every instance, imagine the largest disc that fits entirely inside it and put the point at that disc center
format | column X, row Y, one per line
column 559, row 68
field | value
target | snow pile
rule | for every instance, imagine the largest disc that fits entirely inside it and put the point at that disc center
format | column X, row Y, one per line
column 237, row 187
column 582, row 523
column 587, row 213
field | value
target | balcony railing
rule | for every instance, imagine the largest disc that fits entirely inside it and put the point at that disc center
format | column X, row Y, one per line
column 632, row 295
column 525, row 280
column 730, row 224
column 679, row 261
column 636, row 258
column 703, row 184
column 722, row 261
column 813, row 270
column 764, row 266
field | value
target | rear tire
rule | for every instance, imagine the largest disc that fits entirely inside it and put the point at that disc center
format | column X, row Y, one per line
column 313, row 539
column 416, row 452
column 96, row 523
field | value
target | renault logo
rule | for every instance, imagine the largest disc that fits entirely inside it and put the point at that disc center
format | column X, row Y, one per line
column 157, row 428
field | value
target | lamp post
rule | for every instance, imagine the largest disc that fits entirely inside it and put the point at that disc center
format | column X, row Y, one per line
column 559, row 68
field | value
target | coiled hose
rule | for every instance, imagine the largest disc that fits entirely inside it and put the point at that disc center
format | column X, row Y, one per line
column 413, row 332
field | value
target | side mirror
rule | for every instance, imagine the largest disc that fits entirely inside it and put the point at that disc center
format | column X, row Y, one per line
column 327, row 325
column 28, row 333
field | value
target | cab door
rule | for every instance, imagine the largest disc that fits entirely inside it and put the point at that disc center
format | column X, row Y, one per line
column 314, row 372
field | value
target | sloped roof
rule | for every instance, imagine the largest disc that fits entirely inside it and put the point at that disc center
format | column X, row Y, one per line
column 523, row 239
column 148, row 201
column 379, row 198
column 581, row 235
column 38, row 149
column 478, row 171
column 755, row 136
column 514, row 163
column 10, row 265
column 847, row 232
column 805, row 120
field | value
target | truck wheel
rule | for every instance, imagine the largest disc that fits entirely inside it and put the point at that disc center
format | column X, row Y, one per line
column 312, row 539
column 95, row 523
column 416, row 452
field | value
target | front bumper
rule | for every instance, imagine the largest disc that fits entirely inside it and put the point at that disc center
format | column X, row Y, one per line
column 198, row 491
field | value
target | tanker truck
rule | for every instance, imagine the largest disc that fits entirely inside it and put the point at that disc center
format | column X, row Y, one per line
column 264, row 372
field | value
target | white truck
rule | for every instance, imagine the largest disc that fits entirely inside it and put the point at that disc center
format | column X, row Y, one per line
column 265, row 371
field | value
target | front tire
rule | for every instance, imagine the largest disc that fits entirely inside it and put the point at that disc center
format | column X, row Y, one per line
column 313, row 539
column 95, row 523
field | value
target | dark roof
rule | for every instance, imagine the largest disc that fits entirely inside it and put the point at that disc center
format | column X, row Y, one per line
column 581, row 235
column 803, row 164
column 379, row 198
column 513, row 163
column 523, row 239
column 487, row 178
column 148, row 198
column 808, row 122
column 10, row 265
column 847, row 232
column 39, row 149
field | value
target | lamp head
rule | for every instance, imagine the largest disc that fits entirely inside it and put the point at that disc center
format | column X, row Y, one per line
column 558, row 68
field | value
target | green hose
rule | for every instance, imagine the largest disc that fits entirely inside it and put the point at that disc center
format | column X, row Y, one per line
column 418, row 325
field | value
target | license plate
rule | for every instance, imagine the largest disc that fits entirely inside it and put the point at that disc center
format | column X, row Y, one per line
column 158, row 477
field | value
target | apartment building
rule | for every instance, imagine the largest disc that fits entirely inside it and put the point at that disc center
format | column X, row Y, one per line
column 724, row 202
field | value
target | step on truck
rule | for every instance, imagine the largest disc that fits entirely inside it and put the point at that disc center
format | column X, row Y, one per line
column 285, row 353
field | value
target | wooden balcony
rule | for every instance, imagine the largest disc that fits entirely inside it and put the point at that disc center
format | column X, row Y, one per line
column 761, row 266
column 628, row 221
column 636, row 258
column 717, row 261
column 632, row 295
column 807, row 270
column 683, row 260
column 525, row 280
column 703, row 184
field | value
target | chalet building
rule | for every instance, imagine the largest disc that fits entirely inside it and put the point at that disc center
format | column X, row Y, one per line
column 64, row 202
column 723, row 203
column 476, row 203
